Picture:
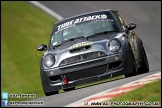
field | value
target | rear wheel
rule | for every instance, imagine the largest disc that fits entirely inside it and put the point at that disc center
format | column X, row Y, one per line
column 51, row 93
column 145, row 66
column 134, row 67
column 69, row 89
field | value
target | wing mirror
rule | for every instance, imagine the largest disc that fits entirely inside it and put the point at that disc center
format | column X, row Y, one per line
column 42, row 47
column 131, row 26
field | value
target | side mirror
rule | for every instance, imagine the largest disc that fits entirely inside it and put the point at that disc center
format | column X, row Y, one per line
column 42, row 47
column 131, row 26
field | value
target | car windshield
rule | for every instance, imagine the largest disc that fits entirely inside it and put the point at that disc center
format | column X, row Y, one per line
column 85, row 29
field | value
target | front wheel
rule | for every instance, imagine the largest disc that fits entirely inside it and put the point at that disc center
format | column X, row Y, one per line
column 145, row 65
column 134, row 67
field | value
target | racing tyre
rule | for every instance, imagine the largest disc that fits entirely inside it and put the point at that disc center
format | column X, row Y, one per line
column 134, row 67
column 51, row 93
column 145, row 66
column 69, row 89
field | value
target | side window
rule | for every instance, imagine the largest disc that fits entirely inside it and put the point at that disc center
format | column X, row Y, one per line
column 120, row 20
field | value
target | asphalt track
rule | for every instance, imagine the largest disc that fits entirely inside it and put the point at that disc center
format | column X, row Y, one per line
column 147, row 16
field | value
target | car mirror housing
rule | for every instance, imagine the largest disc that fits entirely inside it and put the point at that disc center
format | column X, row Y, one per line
column 42, row 47
column 131, row 26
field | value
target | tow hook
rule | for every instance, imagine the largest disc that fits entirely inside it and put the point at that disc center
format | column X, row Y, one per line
column 65, row 80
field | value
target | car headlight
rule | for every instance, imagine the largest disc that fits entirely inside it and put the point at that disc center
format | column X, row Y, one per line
column 49, row 60
column 114, row 45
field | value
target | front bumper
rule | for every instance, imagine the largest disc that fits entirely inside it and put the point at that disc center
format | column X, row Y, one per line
column 87, row 71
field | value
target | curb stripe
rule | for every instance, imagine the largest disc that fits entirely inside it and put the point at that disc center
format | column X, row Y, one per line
column 123, row 90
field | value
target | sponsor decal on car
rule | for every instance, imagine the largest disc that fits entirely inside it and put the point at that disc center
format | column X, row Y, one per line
column 82, row 19
column 80, row 45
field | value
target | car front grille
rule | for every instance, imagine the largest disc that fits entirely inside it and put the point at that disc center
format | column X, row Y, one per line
column 82, row 57
column 85, row 73
column 83, row 64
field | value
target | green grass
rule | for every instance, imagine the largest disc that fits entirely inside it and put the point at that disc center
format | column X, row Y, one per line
column 149, row 93
column 23, row 27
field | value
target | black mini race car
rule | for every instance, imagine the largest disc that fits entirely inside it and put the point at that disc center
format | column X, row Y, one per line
column 90, row 47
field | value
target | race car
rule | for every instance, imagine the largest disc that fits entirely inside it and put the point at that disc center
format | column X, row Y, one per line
column 90, row 47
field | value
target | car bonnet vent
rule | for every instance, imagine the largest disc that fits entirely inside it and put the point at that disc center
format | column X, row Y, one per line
column 80, row 49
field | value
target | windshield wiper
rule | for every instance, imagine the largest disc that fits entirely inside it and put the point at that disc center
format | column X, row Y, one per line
column 104, row 32
column 71, row 39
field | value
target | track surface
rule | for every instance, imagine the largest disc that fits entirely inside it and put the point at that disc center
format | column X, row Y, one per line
column 147, row 16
